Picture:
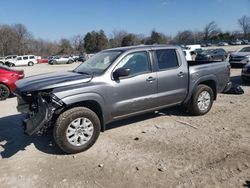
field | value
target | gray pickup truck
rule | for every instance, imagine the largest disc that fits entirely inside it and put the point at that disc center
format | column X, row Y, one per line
column 115, row 84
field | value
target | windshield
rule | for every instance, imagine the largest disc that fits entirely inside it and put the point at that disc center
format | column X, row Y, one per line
column 246, row 49
column 98, row 63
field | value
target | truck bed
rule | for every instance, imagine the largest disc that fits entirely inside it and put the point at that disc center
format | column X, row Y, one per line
column 191, row 63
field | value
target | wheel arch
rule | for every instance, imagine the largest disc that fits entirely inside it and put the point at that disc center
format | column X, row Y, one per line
column 92, row 105
column 212, row 85
column 93, row 101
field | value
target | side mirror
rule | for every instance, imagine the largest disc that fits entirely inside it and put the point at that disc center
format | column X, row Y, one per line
column 121, row 72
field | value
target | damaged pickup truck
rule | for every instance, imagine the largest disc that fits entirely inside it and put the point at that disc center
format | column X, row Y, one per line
column 115, row 84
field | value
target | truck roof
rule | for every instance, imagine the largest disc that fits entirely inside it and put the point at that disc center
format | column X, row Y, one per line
column 142, row 47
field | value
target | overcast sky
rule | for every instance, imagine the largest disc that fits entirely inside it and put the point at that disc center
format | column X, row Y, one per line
column 54, row 19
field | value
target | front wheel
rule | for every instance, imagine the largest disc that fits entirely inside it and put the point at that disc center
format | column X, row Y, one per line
column 4, row 92
column 76, row 130
column 201, row 100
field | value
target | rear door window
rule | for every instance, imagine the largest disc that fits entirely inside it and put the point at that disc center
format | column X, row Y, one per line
column 167, row 59
column 25, row 57
column 32, row 57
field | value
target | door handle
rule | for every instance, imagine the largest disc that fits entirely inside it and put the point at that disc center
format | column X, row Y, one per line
column 180, row 74
column 150, row 79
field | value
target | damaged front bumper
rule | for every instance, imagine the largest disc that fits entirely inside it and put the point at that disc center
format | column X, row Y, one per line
column 39, row 113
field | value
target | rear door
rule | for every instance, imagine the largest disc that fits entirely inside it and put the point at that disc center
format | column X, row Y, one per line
column 136, row 92
column 25, row 60
column 172, row 77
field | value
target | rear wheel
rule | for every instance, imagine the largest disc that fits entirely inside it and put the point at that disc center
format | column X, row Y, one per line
column 30, row 63
column 76, row 130
column 4, row 92
column 202, row 100
column 69, row 62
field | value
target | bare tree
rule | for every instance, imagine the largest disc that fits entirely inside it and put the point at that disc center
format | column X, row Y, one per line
column 65, row 47
column 7, row 40
column 244, row 23
column 210, row 30
column 184, row 37
column 23, row 38
column 116, row 38
column 77, row 42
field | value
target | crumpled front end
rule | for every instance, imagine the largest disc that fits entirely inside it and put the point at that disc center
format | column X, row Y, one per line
column 40, row 108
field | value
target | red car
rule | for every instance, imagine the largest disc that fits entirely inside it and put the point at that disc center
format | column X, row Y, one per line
column 8, row 77
column 43, row 60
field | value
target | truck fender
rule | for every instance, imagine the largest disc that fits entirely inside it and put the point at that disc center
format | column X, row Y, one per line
column 74, row 99
column 196, row 81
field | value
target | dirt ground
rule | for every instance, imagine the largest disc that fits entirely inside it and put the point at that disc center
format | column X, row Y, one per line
column 168, row 148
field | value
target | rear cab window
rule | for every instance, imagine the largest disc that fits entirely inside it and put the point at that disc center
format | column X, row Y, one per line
column 167, row 59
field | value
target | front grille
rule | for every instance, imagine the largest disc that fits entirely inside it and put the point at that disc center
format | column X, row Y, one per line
column 237, row 58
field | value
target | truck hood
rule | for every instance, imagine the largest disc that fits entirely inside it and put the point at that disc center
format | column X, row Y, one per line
column 240, row 54
column 51, row 81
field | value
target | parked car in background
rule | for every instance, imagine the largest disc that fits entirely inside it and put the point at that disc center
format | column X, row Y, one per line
column 222, row 44
column 245, row 73
column 74, row 57
column 8, row 77
column 211, row 55
column 190, row 51
column 61, row 60
column 28, row 60
column 236, row 42
column 241, row 57
column 9, row 58
column 246, row 42
column 43, row 60
column 81, row 58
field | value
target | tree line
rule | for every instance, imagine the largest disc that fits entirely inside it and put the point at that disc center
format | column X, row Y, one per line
column 17, row 39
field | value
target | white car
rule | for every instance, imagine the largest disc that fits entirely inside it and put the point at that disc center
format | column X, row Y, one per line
column 4, row 60
column 61, row 60
column 29, row 60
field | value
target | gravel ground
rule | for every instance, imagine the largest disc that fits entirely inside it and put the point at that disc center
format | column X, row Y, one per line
column 168, row 148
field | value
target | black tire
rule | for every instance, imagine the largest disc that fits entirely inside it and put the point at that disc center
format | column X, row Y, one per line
column 30, row 63
column 11, row 65
column 69, row 62
column 194, row 107
column 63, row 123
column 4, row 92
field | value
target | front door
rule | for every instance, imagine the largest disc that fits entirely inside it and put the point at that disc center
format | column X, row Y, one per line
column 136, row 92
